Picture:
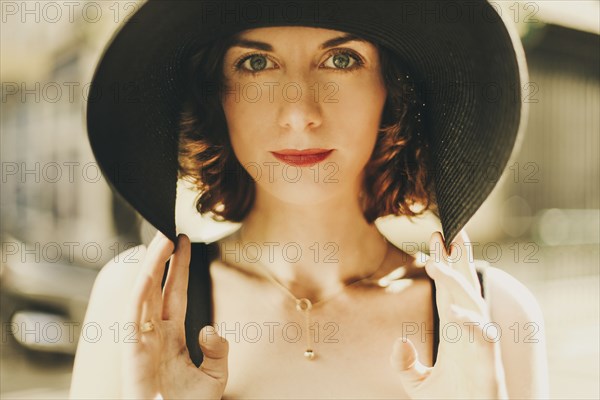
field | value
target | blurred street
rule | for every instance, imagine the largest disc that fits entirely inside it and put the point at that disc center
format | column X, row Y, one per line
column 30, row 375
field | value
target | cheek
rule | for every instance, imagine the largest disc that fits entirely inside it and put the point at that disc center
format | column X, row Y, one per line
column 244, row 128
column 359, row 110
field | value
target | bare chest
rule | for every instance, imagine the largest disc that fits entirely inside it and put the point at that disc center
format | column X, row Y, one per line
column 351, row 335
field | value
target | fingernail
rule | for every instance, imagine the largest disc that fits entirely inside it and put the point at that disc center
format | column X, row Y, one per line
column 209, row 329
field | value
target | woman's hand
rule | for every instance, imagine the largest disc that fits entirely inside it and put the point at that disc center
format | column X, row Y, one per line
column 157, row 361
column 468, row 364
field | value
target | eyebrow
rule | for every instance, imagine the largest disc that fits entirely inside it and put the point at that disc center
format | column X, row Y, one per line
column 254, row 44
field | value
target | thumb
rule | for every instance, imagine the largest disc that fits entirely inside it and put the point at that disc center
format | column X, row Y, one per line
column 405, row 361
column 215, row 350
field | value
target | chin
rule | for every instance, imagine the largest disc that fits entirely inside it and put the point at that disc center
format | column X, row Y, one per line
column 302, row 192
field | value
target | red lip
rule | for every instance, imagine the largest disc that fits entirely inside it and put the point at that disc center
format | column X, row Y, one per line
column 302, row 158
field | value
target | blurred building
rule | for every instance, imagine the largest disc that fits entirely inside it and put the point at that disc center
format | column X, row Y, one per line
column 557, row 175
column 52, row 189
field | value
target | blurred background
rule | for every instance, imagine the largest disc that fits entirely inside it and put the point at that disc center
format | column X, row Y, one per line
column 60, row 222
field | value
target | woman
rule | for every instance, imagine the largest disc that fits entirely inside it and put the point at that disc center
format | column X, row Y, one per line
column 355, row 141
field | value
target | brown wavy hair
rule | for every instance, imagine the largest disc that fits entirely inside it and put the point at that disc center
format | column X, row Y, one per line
column 396, row 180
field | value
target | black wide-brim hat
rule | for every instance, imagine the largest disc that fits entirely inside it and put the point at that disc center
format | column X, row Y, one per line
column 468, row 62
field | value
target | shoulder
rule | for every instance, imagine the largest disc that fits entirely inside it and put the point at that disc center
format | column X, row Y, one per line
column 514, row 309
column 117, row 277
column 100, row 356
column 522, row 334
column 115, row 281
column 508, row 296
column 125, row 263
column 114, row 284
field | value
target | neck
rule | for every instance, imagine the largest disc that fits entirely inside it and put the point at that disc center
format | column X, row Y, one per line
column 313, row 250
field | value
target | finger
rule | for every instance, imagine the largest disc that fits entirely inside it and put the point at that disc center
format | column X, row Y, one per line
column 137, row 310
column 477, row 330
column 459, row 290
column 442, row 294
column 154, row 267
column 464, row 315
column 215, row 350
column 461, row 259
column 437, row 249
column 405, row 361
column 176, row 286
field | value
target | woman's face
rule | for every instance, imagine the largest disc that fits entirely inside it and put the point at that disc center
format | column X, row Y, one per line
column 298, row 88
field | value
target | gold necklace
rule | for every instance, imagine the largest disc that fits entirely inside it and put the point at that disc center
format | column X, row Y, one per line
column 304, row 305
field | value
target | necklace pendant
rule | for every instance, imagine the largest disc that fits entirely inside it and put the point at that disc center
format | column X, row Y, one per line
column 309, row 354
column 303, row 304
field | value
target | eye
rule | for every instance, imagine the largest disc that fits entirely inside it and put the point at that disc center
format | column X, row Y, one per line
column 253, row 63
column 341, row 60
column 344, row 60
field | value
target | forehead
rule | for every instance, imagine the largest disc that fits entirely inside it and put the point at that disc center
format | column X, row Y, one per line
column 270, row 38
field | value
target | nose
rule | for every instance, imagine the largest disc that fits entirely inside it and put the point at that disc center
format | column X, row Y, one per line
column 299, row 107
